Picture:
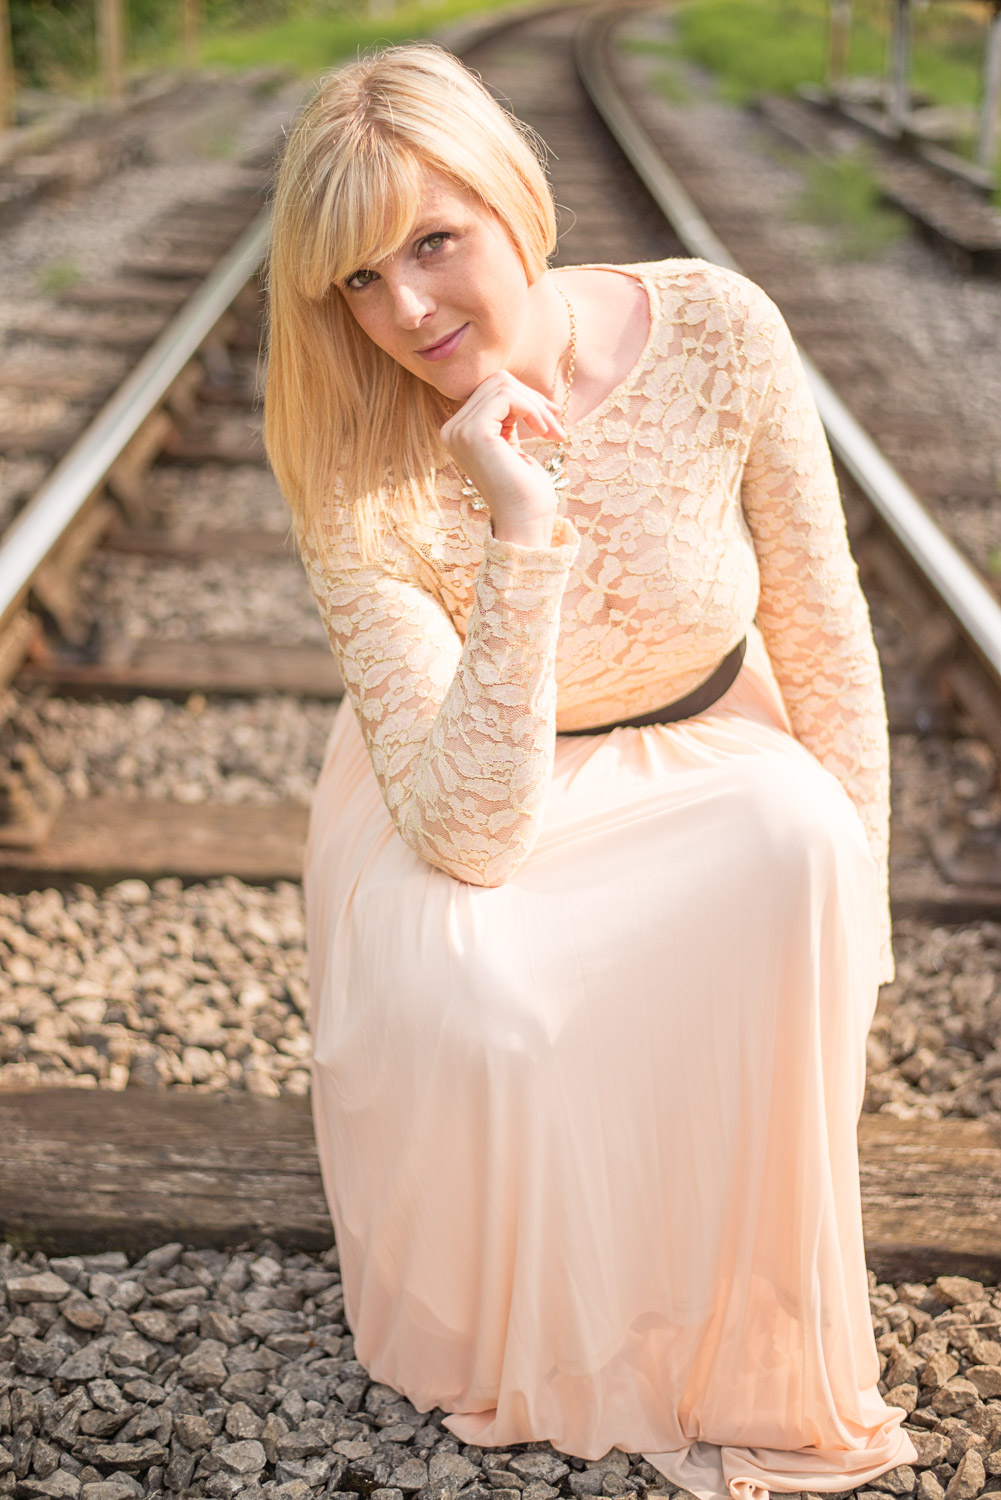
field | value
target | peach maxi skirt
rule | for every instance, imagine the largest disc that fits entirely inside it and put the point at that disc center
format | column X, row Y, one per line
column 588, row 1137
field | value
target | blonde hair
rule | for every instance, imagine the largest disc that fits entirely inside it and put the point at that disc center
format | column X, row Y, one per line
column 340, row 415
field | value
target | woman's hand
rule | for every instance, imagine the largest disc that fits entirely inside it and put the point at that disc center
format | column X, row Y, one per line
column 482, row 437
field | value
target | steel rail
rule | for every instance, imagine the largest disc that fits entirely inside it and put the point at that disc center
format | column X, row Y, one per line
column 37, row 530
column 957, row 584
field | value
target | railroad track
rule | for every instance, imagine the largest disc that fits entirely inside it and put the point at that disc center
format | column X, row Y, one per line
column 189, row 406
column 94, row 841
column 128, row 1168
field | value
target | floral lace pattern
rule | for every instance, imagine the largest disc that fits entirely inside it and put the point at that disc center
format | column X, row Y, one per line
column 701, row 494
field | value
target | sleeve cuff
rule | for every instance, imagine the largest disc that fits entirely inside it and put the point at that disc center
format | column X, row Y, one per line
column 522, row 561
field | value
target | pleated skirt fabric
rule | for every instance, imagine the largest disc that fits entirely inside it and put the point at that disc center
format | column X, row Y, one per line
column 589, row 1137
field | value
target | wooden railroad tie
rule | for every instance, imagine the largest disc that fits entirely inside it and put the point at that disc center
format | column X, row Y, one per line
column 176, row 669
column 101, row 840
column 84, row 1171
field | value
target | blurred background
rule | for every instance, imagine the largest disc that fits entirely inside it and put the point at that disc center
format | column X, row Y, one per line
column 88, row 49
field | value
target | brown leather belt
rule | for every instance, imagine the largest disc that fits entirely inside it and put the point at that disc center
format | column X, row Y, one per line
column 695, row 702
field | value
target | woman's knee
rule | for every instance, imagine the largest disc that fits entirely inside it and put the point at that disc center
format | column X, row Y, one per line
column 799, row 810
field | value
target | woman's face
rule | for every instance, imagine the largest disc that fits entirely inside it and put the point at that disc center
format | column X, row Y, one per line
column 452, row 305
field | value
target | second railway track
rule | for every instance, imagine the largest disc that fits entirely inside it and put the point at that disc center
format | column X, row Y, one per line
column 153, row 1010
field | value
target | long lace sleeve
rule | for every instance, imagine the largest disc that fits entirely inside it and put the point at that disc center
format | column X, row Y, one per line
column 461, row 732
column 812, row 612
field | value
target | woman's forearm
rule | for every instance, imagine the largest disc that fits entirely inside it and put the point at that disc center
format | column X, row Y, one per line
column 479, row 785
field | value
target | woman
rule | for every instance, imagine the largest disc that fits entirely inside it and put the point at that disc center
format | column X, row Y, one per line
column 589, row 1003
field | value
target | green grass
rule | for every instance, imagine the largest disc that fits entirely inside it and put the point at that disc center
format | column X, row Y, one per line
column 669, row 82
column 314, row 36
column 58, row 276
column 756, row 45
column 54, row 40
column 842, row 195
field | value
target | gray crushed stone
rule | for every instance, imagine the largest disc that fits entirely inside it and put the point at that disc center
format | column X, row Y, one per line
column 205, row 987
column 224, row 1374
column 191, row 151
column 205, row 600
column 216, row 496
column 255, row 750
column 200, row 986
column 934, row 1048
column 934, row 777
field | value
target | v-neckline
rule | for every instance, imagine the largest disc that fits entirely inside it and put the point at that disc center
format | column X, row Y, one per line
column 623, row 386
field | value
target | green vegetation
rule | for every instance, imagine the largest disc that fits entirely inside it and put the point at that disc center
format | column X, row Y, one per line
column 772, row 45
column 54, row 40
column 669, row 80
column 754, row 46
column 313, row 36
column 843, row 196
column 58, row 276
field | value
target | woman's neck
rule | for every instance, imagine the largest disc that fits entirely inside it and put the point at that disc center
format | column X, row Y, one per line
column 612, row 312
column 541, row 358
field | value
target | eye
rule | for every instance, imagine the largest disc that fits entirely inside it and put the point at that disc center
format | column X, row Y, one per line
column 434, row 241
column 359, row 279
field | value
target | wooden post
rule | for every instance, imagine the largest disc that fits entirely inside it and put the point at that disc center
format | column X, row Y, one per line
column 991, row 106
column 900, row 65
column 838, row 34
column 111, row 46
column 8, row 113
column 191, row 31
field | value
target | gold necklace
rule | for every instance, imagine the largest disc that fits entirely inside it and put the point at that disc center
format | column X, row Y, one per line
column 556, row 465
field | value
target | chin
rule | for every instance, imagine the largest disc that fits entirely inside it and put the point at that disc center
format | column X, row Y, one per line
column 456, row 379
column 459, row 384
column 441, row 382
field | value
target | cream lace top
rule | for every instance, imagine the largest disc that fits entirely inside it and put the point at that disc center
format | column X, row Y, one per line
column 701, row 495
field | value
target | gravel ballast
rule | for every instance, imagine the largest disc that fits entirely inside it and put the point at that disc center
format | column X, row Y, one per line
column 933, row 1048
column 215, row 599
column 217, row 496
column 254, row 750
column 200, row 1372
column 199, row 986
column 204, row 986
column 189, row 147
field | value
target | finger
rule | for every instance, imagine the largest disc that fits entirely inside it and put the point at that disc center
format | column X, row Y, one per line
column 492, row 411
column 547, row 425
column 503, row 398
column 488, row 427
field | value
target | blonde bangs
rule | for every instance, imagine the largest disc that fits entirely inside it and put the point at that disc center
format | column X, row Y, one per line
column 364, row 215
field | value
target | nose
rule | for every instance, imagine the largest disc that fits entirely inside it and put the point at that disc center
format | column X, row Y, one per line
column 411, row 305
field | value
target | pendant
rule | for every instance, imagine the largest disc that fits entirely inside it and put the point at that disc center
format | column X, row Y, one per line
column 555, row 467
column 471, row 493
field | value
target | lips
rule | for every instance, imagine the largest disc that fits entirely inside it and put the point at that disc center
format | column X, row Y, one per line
column 444, row 347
